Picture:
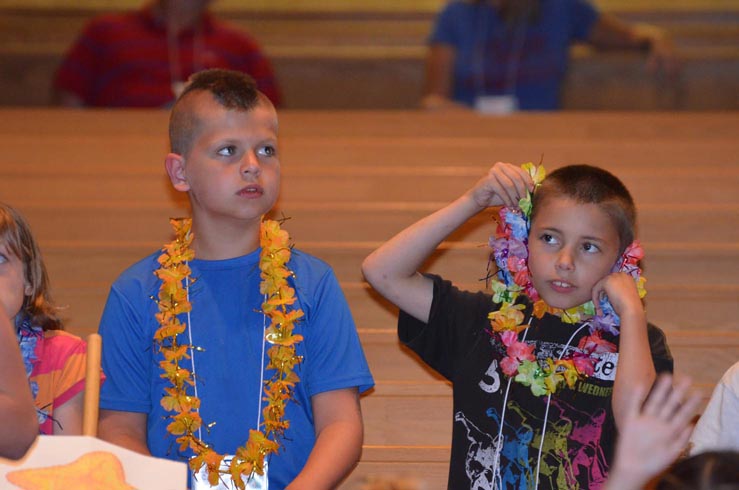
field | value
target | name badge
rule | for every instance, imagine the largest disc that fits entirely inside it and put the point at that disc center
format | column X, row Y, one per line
column 497, row 105
column 256, row 482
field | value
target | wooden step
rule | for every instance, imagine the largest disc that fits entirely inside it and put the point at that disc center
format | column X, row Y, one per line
column 360, row 222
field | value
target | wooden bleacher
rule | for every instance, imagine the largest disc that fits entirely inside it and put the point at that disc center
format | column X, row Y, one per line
column 92, row 184
column 364, row 54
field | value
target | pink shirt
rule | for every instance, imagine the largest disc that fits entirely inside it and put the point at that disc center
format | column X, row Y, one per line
column 59, row 372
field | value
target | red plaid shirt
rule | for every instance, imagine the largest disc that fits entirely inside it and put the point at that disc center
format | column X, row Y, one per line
column 122, row 60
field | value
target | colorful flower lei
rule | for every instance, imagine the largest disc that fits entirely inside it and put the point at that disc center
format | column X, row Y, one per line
column 28, row 336
column 278, row 390
column 510, row 252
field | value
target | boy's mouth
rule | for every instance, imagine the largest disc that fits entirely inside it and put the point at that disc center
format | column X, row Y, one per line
column 252, row 190
column 561, row 286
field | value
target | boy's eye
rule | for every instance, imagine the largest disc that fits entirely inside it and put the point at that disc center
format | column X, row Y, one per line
column 3, row 258
column 227, row 151
column 268, row 151
column 590, row 247
column 547, row 238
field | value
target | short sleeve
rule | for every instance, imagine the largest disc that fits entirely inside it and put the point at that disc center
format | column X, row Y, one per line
column 334, row 356
column 455, row 322
column 717, row 428
column 126, row 356
column 661, row 355
column 65, row 358
column 446, row 25
column 583, row 18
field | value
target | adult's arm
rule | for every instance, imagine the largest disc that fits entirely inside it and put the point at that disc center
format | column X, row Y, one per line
column 20, row 426
column 439, row 78
column 609, row 32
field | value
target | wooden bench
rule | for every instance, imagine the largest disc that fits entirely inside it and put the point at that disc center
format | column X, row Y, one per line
column 92, row 185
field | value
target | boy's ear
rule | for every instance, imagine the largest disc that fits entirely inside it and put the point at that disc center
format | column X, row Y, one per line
column 175, row 165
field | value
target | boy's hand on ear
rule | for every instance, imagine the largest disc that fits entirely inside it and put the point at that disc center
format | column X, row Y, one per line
column 621, row 291
column 505, row 184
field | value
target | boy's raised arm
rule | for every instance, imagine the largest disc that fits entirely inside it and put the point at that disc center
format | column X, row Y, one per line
column 392, row 269
column 635, row 365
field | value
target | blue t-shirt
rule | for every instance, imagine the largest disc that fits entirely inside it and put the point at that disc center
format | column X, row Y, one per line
column 225, row 322
column 528, row 60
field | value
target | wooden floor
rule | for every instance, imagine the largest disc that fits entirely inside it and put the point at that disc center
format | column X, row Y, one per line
column 92, row 185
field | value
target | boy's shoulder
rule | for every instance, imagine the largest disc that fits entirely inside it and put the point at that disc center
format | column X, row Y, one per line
column 140, row 274
column 308, row 269
column 300, row 258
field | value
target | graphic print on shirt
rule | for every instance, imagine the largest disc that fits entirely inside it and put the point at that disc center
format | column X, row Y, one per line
column 480, row 457
column 571, row 455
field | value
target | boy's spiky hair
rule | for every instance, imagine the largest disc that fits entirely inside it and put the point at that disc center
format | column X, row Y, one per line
column 231, row 89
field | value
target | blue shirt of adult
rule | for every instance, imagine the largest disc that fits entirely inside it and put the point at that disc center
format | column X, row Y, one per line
column 528, row 60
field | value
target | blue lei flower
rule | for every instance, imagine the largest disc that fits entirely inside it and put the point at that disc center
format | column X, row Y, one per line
column 28, row 336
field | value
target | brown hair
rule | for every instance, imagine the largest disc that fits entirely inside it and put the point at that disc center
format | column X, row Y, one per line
column 710, row 470
column 591, row 185
column 231, row 89
column 38, row 306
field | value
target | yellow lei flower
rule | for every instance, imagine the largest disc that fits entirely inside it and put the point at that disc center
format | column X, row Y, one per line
column 278, row 390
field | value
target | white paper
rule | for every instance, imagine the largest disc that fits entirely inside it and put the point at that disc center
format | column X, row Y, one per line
column 141, row 472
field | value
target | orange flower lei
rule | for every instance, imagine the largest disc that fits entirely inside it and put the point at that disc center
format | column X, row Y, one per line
column 278, row 390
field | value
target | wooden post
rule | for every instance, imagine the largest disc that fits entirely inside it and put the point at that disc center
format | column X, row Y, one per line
column 92, row 386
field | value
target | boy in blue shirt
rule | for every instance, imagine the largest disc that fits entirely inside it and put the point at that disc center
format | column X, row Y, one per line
column 223, row 135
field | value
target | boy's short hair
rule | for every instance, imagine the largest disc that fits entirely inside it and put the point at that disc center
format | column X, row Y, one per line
column 231, row 89
column 591, row 185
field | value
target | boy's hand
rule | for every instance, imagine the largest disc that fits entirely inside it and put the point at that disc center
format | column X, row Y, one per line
column 504, row 184
column 653, row 434
column 621, row 291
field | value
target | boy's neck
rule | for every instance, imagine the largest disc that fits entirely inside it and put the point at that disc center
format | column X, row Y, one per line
column 224, row 241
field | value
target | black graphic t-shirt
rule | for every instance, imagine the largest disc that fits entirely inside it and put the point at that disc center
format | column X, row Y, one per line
column 566, row 440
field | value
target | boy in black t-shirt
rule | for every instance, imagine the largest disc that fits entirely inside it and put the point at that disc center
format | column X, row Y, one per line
column 542, row 369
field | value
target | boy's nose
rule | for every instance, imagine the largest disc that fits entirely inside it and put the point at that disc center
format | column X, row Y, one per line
column 250, row 164
column 564, row 260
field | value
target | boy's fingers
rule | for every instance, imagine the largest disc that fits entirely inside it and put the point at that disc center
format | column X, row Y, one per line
column 505, row 187
column 514, row 180
column 682, row 440
column 598, row 291
column 674, row 398
column 687, row 409
column 656, row 399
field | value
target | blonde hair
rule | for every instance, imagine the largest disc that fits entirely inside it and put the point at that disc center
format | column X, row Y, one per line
column 38, row 306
